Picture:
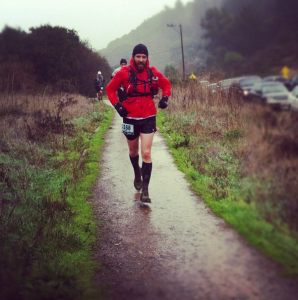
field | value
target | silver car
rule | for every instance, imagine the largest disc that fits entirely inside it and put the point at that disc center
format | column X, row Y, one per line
column 212, row 87
column 277, row 96
column 294, row 99
column 246, row 83
column 227, row 85
column 273, row 94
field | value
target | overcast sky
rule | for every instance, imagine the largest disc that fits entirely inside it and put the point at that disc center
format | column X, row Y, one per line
column 98, row 21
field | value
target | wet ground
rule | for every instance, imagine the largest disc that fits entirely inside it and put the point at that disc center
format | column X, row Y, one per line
column 173, row 248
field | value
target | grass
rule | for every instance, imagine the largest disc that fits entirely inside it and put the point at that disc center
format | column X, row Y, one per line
column 47, row 227
column 231, row 155
column 240, row 159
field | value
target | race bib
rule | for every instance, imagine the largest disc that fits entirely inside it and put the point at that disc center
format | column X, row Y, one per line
column 128, row 129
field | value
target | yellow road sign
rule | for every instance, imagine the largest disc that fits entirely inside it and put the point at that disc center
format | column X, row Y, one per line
column 285, row 72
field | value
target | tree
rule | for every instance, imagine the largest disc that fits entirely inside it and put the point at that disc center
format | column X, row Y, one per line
column 217, row 25
column 247, row 31
column 12, row 44
column 15, row 71
column 233, row 57
column 53, row 51
column 48, row 55
column 90, row 63
column 171, row 73
column 285, row 16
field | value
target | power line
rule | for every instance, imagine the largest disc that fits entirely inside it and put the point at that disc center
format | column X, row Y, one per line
column 169, row 50
column 180, row 33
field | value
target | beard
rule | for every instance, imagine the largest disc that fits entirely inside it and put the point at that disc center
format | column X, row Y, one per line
column 140, row 66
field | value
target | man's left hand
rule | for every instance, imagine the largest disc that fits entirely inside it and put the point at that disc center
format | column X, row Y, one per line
column 163, row 102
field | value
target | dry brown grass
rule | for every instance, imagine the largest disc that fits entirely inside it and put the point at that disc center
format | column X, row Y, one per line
column 273, row 156
column 31, row 117
column 221, row 111
column 264, row 141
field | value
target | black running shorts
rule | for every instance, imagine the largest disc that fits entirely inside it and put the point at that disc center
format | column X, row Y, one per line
column 132, row 128
column 98, row 89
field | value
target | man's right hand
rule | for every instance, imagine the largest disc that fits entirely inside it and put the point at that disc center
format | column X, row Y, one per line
column 122, row 111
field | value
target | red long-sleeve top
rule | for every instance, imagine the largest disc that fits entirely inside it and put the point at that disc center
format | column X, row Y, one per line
column 139, row 107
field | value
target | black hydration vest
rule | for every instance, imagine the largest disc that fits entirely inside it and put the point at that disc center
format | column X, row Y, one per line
column 132, row 78
column 98, row 81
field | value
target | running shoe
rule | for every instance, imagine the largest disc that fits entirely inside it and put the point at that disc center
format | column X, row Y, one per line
column 145, row 196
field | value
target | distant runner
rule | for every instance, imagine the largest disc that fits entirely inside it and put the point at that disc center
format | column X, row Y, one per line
column 99, row 84
column 120, row 92
column 140, row 83
column 123, row 63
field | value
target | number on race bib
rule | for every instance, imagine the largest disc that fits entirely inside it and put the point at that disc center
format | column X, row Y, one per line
column 128, row 129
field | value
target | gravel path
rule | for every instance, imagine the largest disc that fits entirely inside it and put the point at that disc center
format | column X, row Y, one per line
column 174, row 248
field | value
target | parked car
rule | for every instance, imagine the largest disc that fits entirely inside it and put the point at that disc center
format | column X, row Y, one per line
column 227, row 85
column 294, row 99
column 293, row 82
column 274, row 94
column 278, row 78
column 245, row 84
column 204, row 83
column 212, row 87
column 204, row 87
column 295, row 92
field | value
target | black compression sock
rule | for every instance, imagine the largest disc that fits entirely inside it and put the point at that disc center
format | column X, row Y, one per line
column 146, row 173
column 135, row 163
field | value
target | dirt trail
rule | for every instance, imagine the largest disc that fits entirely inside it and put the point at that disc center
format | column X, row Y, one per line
column 174, row 248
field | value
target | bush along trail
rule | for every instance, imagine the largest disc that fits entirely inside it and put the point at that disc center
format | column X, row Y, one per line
column 49, row 153
column 242, row 160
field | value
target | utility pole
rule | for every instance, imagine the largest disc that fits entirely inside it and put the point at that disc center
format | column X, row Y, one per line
column 182, row 51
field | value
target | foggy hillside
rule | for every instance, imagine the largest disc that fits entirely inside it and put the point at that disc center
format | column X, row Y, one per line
column 163, row 42
column 245, row 37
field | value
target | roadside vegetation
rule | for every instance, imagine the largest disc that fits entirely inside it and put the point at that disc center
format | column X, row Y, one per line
column 48, row 59
column 245, row 38
column 50, row 141
column 242, row 159
column 49, row 154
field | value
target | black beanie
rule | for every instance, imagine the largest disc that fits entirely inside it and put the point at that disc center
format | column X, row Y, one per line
column 140, row 49
column 123, row 61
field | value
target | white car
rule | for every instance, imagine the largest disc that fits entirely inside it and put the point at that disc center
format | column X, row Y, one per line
column 294, row 99
column 204, row 83
column 212, row 87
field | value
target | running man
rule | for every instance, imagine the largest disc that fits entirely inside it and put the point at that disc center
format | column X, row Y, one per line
column 140, row 83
